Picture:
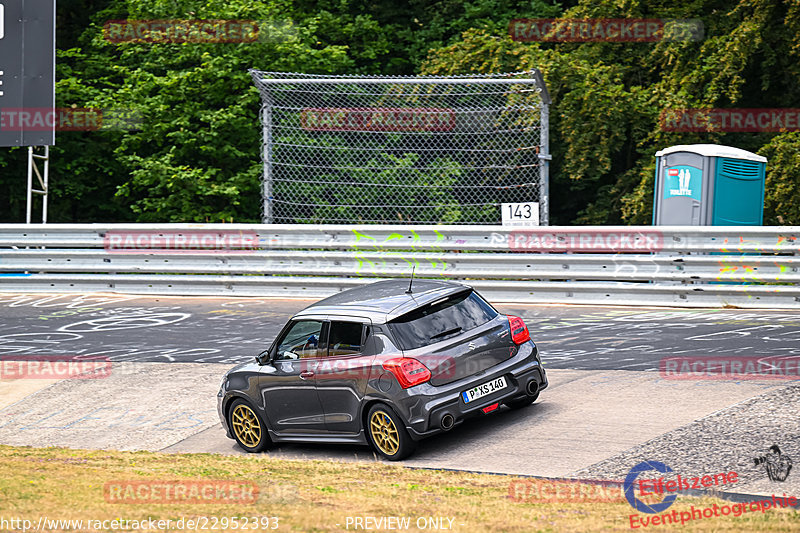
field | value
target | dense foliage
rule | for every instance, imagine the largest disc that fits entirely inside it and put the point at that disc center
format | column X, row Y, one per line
column 195, row 155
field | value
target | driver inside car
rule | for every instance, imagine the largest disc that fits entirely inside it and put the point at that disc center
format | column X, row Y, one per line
column 312, row 342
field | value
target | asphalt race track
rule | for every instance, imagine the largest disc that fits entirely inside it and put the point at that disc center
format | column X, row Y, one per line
column 607, row 407
column 205, row 330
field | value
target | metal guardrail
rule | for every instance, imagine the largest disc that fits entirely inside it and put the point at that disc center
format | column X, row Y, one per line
column 633, row 265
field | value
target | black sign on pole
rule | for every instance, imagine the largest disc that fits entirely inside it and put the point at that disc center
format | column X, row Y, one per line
column 27, row 72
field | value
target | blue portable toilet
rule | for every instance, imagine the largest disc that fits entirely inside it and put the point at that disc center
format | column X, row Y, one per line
column 708, row 185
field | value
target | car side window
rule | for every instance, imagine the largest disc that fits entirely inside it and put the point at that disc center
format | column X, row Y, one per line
column 301, row 341
column 345, row 338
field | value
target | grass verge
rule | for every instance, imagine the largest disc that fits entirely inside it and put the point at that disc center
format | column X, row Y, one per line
column 308, row 496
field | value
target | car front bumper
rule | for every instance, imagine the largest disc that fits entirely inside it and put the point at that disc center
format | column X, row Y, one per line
column 220, row 411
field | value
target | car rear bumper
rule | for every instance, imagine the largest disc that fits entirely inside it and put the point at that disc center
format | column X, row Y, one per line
column 427, row 407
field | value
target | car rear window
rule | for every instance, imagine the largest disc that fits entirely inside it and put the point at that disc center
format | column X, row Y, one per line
column 441, row 320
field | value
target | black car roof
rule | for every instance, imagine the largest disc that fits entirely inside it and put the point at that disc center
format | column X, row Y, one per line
column 383, row 301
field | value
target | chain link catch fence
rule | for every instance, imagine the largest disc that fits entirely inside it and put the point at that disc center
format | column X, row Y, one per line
column 410, row 150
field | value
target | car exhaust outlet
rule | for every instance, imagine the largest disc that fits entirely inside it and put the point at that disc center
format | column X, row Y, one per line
column 532, row 388
column 447, row 421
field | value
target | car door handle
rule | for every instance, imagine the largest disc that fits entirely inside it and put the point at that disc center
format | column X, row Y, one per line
column 306, row 374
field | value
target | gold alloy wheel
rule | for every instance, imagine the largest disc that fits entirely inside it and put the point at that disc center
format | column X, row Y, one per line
column 246, row 426
column 384, row 433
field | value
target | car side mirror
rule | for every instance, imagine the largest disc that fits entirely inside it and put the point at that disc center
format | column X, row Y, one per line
column 263, row 358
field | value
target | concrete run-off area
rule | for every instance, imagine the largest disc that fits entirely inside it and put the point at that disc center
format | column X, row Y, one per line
column 608, row 406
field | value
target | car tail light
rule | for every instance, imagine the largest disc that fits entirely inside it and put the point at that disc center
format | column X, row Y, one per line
column 519, row 331
column 489, row 408
column 408, row 371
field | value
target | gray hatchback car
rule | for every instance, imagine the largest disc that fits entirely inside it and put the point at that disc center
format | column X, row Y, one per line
column 382, row 365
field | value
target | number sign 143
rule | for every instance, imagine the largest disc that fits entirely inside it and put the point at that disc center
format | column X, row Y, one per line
column 521, row 214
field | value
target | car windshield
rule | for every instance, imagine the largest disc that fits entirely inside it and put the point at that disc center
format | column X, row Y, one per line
column 441, row 320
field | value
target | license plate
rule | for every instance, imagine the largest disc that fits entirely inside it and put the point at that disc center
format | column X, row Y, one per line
column 483, row 390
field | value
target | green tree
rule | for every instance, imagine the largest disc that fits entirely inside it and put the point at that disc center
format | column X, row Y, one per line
column 782, row 198
column 195, row 154
column 609, row 97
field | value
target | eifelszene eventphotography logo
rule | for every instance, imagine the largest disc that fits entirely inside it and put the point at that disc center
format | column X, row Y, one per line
column 630, row 495
column 668, row 484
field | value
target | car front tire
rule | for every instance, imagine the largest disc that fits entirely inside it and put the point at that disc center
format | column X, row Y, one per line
column 387, row 433
column 248, row 427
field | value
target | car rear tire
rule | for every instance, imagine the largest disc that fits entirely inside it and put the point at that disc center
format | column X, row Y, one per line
column 387, row 435
column 524, row 402
column 248, row 427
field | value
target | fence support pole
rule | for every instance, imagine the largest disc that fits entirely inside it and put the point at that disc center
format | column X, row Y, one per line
column 266, row 186
column 544, row 161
